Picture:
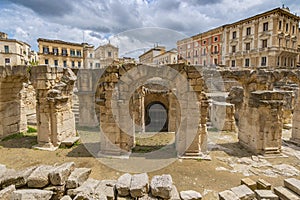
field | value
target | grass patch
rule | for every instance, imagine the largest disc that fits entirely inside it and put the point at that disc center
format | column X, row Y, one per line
column 213, row 129
column 31, row 129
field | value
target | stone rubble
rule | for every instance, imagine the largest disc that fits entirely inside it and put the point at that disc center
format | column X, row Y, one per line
column 66, row 182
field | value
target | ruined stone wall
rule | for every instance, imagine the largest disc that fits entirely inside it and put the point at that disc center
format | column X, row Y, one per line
column 222, row 116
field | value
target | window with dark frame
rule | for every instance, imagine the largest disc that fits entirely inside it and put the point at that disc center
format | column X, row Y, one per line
column 264, row 43
column 248, row 31
column 248, row 46
column 263, row 61
column 233, row 49
column 265, row 26
column 233, row 34
column 247, row 62
column 233, row 63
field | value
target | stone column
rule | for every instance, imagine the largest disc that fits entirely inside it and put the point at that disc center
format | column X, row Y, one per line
column 87, row 115
column 55, row 119
column 296, row 122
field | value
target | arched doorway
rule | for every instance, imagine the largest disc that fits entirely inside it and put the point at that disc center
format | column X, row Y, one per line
column 156, row 117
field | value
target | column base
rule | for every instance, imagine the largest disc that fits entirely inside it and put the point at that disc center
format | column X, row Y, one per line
column 45, row 147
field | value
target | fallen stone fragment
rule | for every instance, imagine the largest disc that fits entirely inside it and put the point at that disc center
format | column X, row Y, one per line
column 88, row 187
column 228, row 195
column 66, row 197
column 174, row 193
column 243, row 192
column 265, row 194
column 161, row 186
column 77, row 177
column 17, row 178
column 61, row 173
column 285, row 194
column 123, row 185
column 106, row 188
column 31, row 194
column 263, row 185
column 6, row 193
column 190, row 195
column 39, row 178
column 58, row 191
column 249, row 183
column 293, row 184
column 139, row 185
column 148, row 197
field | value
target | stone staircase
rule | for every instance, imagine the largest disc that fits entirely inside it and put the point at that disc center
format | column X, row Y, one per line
column 261, row 189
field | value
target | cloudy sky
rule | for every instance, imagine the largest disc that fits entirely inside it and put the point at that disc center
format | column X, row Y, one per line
column 130, row 24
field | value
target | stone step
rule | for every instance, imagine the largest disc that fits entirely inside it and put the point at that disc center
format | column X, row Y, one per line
column 249, row 183
column 285, row 194
column 292, row 184
column 265, row 194
column 243, row 192
column 68, row 142
column 228, row 195
column 263, row 185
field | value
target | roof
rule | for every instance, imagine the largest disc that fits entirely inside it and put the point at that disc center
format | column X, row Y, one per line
column 158, row 48
column 16, row 41
column 172, row 51
column 59, row 42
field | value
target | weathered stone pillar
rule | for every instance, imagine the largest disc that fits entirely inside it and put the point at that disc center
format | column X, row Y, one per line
column 260, row 125
column 55, row 119
column 296, row 122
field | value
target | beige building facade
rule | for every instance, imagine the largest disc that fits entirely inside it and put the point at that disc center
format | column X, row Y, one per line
column 60, row 53
column 147, row 57
column 267, row 39
column 13, row 52
column 168, row 57
column 106, row 55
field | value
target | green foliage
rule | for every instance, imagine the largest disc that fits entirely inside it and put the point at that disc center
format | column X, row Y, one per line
column 31, row 129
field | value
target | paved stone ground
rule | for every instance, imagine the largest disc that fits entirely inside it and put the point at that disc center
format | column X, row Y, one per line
column 230, row 162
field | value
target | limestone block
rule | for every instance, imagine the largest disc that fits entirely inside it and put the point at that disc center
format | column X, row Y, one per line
column 88, row 187
column 6, row 193
column 285, row 194
column 161, row 186
column 243, row 192
column 32, row 194
column 174, row 193
column 106, row 188
column 228, row 195
column 265, row 194
column 58, row 191
column 40, row 176
column 66, row 197
column 17, row 178
column 263, row 185
column 61, row 173
column 249, row 183
column 148, row 197
column 123, row 185
column 77, row 177
column 190, row 195
column 139, row 185
column 293, row 184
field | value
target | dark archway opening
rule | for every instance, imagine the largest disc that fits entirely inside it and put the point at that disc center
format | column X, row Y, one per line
column 156, row 117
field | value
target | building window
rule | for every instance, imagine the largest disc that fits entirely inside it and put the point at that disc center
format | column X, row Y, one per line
column 6, row 49
column 45, row 50
column 233, row 63
column 64, row 52
column 280, row 25
column 216, row 39
column 7, row 61
column 264, row 43
column 293, row 30
column 46, row 61
column 109, row 54
column 204, row 42
column 188, row 46
column 79, row 64
column 216, row 61
column 263, row 61
column 196, row 53
column 91, row 65
column 98, row 65
column 78, row 52
column 73, row 63
column 233, row 48
column 196, row 44
column 204, row 51
column 204, row 62
column 55, row 51
column 55, row 63
column 189, row 55
column 265, row 26
column 65, row 63
column 91, row 55
column 248, row 31
column 287, row 27
column 72, row 52
column 247, row 62
column 216, row 49
column 248, row 46
column 233, row 34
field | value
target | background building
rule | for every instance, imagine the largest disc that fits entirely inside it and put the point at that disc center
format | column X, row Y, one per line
column 60, row 53
column 14, row 52
column 267, row 39
column 167, row 57
column 147, row 57
column 106, row 55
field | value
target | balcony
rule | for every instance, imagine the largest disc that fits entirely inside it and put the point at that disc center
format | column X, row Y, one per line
column 215, row 52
